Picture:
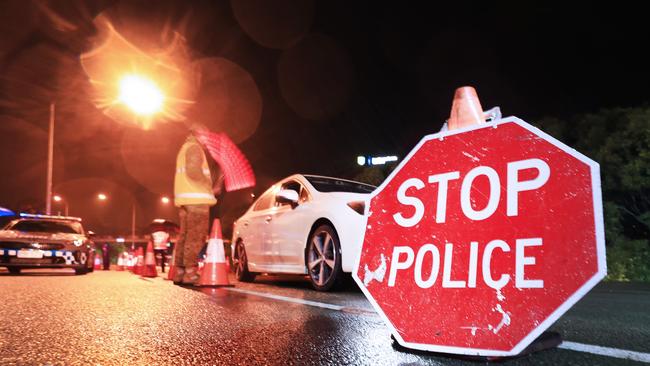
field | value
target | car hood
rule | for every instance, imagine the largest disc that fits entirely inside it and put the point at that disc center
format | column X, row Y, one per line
column 58, row 237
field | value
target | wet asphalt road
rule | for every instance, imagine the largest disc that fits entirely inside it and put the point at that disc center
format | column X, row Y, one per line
column 116, row 318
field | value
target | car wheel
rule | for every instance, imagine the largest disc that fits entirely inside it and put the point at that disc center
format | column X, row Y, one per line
column 80, row 271
column 240, row 261
column 323, row 258
column 14, row 270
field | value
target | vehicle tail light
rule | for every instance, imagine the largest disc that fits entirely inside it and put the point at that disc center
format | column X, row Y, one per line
column 358, row 206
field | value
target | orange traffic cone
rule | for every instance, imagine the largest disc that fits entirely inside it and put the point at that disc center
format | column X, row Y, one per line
column 215, row 271
column 149, row 269
column 172, row 268
column 120, row 262
column 139, row 264
column 466, row 109
column 98, row 262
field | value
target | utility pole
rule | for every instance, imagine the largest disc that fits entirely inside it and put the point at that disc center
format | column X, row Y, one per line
column 133, row 227
column 50, row 160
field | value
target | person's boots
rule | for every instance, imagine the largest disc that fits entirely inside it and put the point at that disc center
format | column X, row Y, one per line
column 178, row 276
column 191, row 276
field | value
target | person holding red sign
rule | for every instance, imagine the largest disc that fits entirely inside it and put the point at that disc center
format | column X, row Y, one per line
column 193, row 196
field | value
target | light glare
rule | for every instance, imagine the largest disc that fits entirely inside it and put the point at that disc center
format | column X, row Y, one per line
column 140, row 94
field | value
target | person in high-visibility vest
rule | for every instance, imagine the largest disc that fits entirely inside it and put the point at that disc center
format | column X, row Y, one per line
column 160, row 241
column 193, row 195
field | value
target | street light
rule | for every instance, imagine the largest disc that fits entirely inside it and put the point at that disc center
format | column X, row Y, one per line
column 137, row 92
column 164, row 200
column 50, row 163
column 104, row 197
column 58, row 198
column 140, row 94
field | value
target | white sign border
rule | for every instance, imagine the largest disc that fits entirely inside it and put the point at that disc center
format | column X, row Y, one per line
column 555, row 315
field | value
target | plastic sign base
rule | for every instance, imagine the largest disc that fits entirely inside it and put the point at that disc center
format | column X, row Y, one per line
column 546, row 341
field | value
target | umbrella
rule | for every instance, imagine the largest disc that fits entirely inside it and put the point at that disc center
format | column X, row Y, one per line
column 237, row 170
column 163, row 225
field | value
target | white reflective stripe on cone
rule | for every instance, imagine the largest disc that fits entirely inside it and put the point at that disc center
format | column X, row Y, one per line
column 215, row 251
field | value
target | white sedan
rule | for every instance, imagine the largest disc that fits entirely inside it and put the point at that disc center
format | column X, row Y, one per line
column 304, row 224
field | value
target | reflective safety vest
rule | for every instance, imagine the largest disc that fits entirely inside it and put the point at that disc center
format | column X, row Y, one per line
column 186, row 190
column 160, row 240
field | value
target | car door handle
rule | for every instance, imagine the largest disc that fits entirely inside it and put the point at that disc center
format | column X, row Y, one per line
column 245, row 224
column 268, row 219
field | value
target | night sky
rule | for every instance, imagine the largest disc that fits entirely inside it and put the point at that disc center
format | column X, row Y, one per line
column 301, row 86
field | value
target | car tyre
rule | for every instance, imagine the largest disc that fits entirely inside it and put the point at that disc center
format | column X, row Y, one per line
column 80, row 271
column 323, row 258
column 14, row 270
column 240, row 261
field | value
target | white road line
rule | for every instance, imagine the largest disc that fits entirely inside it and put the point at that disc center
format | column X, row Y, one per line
column 573, row 346
column 606, row 351
column 288, row 299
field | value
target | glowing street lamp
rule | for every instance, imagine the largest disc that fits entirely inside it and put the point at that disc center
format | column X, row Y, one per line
column 103, row 197
column 58, row 198
column 164, row 200
column 140, row 94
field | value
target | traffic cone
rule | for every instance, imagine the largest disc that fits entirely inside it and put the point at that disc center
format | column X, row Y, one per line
column 215, row 271
column 98, row 262
column 139, row 264
column 172, row 268
column 120, row 262
column 466, row 109
column 149, row 269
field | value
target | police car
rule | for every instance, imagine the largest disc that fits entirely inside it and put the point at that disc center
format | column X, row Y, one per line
column 41, row 241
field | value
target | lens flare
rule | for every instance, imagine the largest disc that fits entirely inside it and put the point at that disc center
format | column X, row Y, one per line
column 141, row 95
column 136, row 86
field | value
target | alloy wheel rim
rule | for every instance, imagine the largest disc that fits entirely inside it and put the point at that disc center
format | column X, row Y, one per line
column 321, row 258
column 241, row 259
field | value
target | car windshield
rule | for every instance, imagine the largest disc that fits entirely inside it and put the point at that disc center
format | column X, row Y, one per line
column 323, row 184
column 41, row 226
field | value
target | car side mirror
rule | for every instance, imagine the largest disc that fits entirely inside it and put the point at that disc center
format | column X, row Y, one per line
column 287, row 196
column 90, row 233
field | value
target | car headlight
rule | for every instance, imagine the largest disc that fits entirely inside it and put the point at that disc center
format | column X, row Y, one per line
column 78, row 242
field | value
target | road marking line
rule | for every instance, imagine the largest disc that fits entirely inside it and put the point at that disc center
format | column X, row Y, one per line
column 572, row 346
column 606, row 351
column 288, row 299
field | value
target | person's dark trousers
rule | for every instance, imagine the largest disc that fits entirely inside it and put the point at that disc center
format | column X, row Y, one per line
column 162, row 253
column 106, row 257
column 106, row 262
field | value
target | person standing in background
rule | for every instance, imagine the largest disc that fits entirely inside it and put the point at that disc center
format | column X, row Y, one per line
column 106, row 257
column 160, row 240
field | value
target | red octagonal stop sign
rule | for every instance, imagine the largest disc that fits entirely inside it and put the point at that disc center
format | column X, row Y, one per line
column 482, row 238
